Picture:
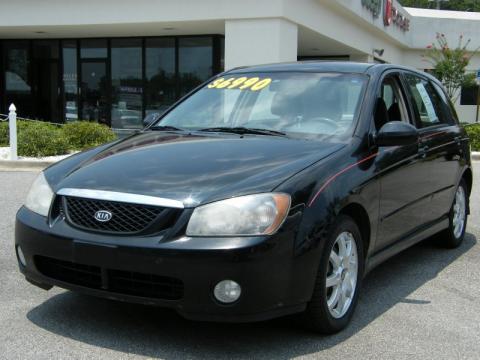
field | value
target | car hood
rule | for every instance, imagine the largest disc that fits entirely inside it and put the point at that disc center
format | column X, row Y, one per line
column 193, row 168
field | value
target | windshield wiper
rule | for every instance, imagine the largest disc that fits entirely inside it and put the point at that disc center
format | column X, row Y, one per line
column 166, row 128
column 244, row 130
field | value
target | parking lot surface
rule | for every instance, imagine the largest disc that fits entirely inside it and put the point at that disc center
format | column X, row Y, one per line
column 423, row 303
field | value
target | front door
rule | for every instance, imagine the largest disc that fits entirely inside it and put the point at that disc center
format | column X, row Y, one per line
column 93, row 92
column 404, row 186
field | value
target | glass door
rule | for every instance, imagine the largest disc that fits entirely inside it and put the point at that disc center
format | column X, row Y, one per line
column 93, row 91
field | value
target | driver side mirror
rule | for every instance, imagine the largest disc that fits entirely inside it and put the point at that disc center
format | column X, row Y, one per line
column 395, row 133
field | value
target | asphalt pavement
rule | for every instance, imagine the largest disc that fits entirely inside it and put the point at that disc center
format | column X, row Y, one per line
column 422, row 304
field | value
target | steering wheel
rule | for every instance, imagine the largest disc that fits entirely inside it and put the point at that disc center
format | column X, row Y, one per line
column 313, row 123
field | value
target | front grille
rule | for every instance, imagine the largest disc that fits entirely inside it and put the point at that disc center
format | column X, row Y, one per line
column 115, row 281
column 126, row 218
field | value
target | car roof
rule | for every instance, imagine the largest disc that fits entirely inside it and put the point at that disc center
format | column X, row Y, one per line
column 323, row 66
column 308, row 66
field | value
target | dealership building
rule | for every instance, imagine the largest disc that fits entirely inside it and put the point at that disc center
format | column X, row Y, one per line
column 115, row 61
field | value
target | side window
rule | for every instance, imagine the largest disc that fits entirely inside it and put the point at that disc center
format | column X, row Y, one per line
column 426, row 101
column 390, row 103
column 449, row 108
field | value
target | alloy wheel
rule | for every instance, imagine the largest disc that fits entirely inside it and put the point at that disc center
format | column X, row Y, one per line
column 459, row 212
column 342, row 274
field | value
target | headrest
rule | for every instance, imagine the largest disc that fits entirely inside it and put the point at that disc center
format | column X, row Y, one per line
column 394, row 113
column 284, row 104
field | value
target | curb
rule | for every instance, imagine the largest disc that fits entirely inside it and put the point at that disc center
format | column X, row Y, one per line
column 476, row 155
column 24, row 165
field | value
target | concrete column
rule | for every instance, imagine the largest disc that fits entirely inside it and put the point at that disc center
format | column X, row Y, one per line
column 259, row 41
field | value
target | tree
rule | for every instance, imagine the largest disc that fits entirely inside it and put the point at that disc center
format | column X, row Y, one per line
column 449, row 65
column 459, row 5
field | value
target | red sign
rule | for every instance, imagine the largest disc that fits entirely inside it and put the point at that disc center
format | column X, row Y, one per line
column 391, row 15
column 387, row 12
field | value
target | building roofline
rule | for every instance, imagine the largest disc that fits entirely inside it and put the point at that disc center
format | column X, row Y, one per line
column 443, row 14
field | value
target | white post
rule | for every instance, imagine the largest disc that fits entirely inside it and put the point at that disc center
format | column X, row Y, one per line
column 12, row 125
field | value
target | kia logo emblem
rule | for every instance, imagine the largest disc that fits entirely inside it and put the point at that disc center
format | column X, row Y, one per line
column 103, row 215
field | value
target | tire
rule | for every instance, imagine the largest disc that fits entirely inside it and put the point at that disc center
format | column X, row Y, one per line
column 453, row 236
column 319, row 316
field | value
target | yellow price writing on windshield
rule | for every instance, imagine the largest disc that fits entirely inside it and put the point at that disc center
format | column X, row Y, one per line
column 241, row 83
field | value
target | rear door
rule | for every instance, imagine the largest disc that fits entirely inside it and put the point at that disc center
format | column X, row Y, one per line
column 440, row 142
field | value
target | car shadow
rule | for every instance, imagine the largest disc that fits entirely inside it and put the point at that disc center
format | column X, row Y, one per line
column 156, row 332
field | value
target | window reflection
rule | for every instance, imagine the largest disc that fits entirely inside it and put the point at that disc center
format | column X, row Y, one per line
column 93, row 49
column 195, row 62
column 70, row 86
column 160, row 84
column 17, row 76
column 46, row 79
column 127, row 86
column 114, row 81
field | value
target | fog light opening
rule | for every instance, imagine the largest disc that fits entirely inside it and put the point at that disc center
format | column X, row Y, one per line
column 227, row 291
column 21, row 256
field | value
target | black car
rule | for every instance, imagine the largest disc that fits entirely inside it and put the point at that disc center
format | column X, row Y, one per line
column 270, row 190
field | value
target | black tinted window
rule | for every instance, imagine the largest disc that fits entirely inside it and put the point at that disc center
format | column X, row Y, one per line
column 449, row 108
column 426, row 101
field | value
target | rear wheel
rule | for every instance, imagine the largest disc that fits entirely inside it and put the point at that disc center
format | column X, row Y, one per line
column 338, row 280
column 454, row 235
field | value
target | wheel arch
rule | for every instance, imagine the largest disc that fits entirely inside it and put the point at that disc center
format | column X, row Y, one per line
column 360, row 215
column 468, row 177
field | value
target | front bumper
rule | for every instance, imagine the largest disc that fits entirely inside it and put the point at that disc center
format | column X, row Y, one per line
column 273, row 282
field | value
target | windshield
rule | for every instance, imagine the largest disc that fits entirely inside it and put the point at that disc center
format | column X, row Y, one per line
column 297, row 104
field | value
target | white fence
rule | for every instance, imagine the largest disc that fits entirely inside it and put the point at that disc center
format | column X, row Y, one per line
column 12, row 132
column 12, row 126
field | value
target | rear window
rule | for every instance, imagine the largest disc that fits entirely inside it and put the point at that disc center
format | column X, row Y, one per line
column 428, row 104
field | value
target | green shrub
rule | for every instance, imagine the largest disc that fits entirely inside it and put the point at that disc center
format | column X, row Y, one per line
column 474, row 134
column 3, row 133
column 82, row 135
column 40, row 139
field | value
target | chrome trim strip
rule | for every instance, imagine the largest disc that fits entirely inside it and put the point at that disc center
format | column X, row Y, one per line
column 121, row 197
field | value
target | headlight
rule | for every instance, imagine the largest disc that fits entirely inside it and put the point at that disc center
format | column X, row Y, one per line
column 250, row 215
column 40, row 196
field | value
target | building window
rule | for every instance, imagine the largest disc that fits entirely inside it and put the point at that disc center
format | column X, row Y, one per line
column 195, row 63
column 469, row 95
column 70, row 84
column 160, row 79
column 114, row 81
column 127, row 89
column 93, row 49
column 18, row 88
column 46, row 77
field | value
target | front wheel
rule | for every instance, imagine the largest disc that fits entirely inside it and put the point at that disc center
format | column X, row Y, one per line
column 453, row 236
column 338, row 280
